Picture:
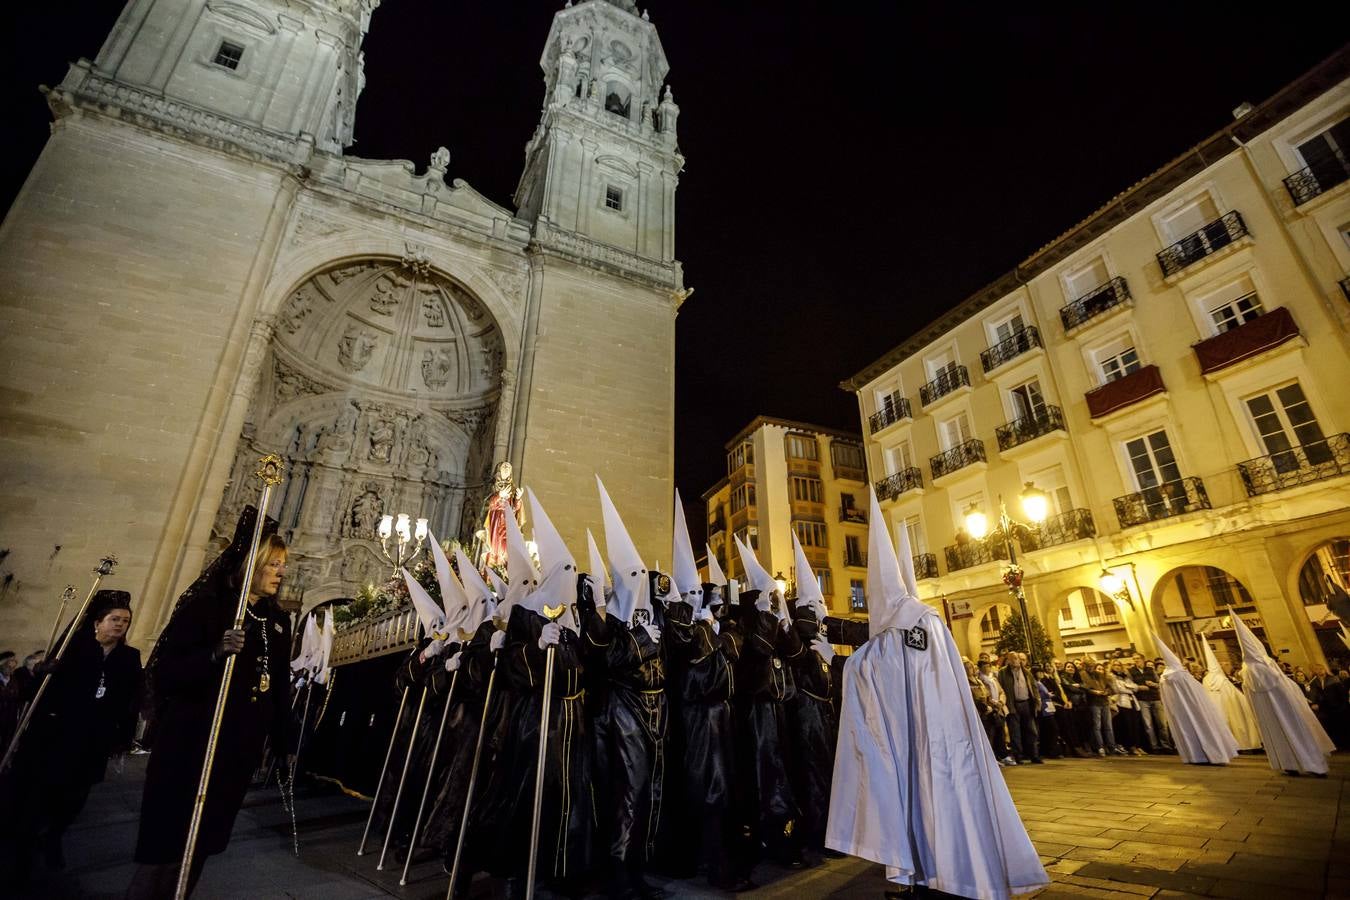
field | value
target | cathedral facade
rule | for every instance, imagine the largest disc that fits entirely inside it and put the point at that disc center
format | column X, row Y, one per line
column 195, row 274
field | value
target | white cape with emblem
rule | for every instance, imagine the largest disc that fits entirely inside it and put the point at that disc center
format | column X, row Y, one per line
column 916, row 787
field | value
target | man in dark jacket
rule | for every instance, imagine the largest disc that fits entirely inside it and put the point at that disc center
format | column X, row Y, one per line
column 1142, row 673
column 1019, row 691
column 1327, row 694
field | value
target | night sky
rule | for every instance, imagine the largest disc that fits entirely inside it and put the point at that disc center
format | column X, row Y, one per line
column 853, row 169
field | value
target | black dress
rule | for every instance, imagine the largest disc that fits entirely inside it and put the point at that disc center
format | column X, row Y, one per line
column 187, row 682
column 815, row 727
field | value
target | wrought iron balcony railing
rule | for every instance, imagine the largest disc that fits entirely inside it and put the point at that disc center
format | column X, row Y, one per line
column 1028, row 428
column 1094, row 303
column 1171, row 498
column 1065, row 528
column 1305, row 464
column 856, row 560
column 925, row 566
column 957, row 458
column 1318, row 178
column 1202, row 242
column 852, row 514
column 894, row 410
column 1014, row 345
column 969, row 553
column 948, row 380
column 894, row 485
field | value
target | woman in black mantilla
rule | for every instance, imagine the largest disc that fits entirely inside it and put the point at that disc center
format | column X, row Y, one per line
column 184, row 677
column 86, row 715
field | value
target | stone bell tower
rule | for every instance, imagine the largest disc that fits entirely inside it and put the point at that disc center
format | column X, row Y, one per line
column 598, row 191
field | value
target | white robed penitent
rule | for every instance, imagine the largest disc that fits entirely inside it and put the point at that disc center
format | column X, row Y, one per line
column 916, row 786
column 1199, row 730
column 1225, row 696
column 1294, row 740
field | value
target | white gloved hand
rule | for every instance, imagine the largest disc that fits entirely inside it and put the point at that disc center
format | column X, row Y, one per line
column 716, row 626
column 498, row 640
column 653, row 632
column 822, row 646
column 785, row 622
column 452, row 663
column 550, row 634
column 432, row 649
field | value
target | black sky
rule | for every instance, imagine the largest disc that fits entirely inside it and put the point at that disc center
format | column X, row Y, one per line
column 852, row 168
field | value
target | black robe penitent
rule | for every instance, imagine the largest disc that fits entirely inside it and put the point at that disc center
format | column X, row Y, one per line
column 187, row 682
column 815, row 728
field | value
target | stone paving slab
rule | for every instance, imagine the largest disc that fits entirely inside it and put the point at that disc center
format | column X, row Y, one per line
column 1113, row 828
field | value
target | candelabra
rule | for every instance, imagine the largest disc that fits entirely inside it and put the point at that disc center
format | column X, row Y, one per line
column 403, row 530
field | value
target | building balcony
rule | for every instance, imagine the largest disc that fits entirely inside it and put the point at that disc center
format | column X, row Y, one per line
column 1172, row 498
column 1306, row 464
column 968, row 553
column 905, row 480
column 1096, row 302
column 1018, row 343
column 951, row 380
column 850, row 514
column 1345, row 287
column 850, row 473
column 893, row 411
column 1046, row 421
column 925, row 566
column 1201, row 243
column 1127, row 391
column 717, row 523
column 1247, row 340
column 1065, row 528
column 957, row 458
column 1318, row 178
column 856, row 560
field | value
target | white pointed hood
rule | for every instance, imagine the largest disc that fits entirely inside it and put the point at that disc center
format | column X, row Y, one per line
column 808, row 589
column 309, row 646
column 1211, row 661
column 1174, row 664
column 522, row 577
column 453, row 599
column 890, row 603
column 758, row 576
column 685, row 574
column 632, row 588
column 481, row 601
column 715, row 574
column 429, row 613
column 558, row 586
column 498, row 586
column 326, row 635
column 1253, row 652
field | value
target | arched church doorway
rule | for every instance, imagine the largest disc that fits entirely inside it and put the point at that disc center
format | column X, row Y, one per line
column 1323, row 583
column 1090, row 624
column 1193, row 601
column 986, row 629
column 380, row 392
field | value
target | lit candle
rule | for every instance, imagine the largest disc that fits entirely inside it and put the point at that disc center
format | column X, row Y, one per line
column 386, row 526
column 421, row 533
column 403, row 527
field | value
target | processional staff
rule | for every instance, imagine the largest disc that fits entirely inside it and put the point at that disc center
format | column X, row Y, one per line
column 552, row 614
column 105, row 567
column 269, row 472
column 473, row 777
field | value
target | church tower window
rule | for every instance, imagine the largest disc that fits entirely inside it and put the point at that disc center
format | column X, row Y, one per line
column 229, row 55
column 614, row 197
column 618, row 100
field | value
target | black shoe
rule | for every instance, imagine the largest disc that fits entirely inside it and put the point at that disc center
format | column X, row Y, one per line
column 833, row 854
column 1036, row 760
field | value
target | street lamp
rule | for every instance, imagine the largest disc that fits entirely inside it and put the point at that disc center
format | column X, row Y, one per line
column 781, row 582
column 1035, row 505
column 1114, row 586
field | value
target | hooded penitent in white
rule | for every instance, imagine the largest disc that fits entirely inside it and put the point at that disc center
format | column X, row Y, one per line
column 1294, row 740
column 685, row 574
column 597, row 574
column 916, row 787
column 453, row 599
column 326, row 635
column 808, row 589
column 1231, row 704
column 1199, row 730
column 309, row 646
column 715, row 574
column 758, row 577
column 429, row 613
column 482, row 603
column 498, row 586
column 558, row 586
column 631, row 601
column 522, row 577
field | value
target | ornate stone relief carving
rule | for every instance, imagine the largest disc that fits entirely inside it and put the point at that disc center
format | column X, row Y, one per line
column 355, row 348
column 312, row 227
column 365, row 512
column 291, row 384
column 384, row 300
column 416, row 259
column 298, row 306
column 340, row 275
column 508, row 282
column 437, row 364
column 433, row 311
column 381, row 441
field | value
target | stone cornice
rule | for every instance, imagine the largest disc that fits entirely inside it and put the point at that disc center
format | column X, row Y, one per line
column 607, row 258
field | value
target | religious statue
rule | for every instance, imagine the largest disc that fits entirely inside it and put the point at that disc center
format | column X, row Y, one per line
column 366, row 512
column 381, row 441
column 355, row 347
column 505, row 500
column 338, row 439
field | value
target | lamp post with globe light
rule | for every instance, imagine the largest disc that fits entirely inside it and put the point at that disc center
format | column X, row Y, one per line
column 1035, row 505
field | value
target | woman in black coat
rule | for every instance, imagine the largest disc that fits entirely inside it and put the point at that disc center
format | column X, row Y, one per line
column 185, row 674
column 87, row 714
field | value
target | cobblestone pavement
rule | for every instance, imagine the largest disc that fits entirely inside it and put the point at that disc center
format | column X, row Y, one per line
column 1147, row 827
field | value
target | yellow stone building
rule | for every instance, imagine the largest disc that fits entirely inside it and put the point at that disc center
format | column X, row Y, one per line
column 785, row 476
column 1173, row 373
